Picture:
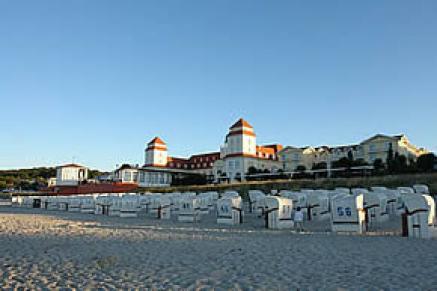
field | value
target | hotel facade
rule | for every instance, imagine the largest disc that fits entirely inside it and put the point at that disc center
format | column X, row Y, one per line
column 368, row 151
column 240, row 152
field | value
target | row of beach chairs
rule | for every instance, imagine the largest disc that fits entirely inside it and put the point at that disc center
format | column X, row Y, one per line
column 346, row 210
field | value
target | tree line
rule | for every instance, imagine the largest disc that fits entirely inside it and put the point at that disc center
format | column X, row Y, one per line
column 32, row 179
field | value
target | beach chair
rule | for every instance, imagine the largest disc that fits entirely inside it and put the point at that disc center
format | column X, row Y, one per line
column 300, row 199
column 348, row 214
column 189, row 209
column 431, row 209
column 164, row 208
column 421, row 189
column 378, row 189
column 405, row 190
column 343, row 190
column 415, row 218
column 318, row 205
column 230, row 211
column 130, row 206
column 115, row 204
column 256, row 201
column 102, row 205
column 357, row 191
column 375, row 204
column 74, row 204
column 230, row 194
column 278, row 212
column 87, row 204
column 52, row 203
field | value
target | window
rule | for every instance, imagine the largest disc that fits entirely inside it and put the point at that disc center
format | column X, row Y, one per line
column 127, row 176
column 372, row 148
column 387, row 145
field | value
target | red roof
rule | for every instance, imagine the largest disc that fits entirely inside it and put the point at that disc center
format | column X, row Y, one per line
column 241, row 123
column 274, row 147
column 156, row 140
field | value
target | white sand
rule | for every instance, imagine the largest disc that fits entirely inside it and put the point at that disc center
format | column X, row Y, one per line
column 44, row 249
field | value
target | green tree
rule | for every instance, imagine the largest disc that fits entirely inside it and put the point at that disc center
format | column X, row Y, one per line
column 252, row 170
column 342, row 163
column 426, row 162
column 350, row 156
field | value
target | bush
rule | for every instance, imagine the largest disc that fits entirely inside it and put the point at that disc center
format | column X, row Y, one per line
column 426, row 162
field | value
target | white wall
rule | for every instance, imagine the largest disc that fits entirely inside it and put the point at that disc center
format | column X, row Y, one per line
column 70, row 176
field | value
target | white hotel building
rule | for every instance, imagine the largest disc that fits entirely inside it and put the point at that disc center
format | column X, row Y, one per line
column 238, row 153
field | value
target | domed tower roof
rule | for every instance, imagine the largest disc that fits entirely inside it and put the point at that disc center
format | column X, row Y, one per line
column 156, row 144
column 156, row 140
column 241, row 127
column 241, row 123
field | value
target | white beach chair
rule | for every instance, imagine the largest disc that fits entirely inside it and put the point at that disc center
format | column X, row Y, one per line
column 87, row 204
column 378, row 189
column 230, row 211
column 74, row 204
column 421, row 189
column 431, row 209
column 130, row 206
column 115, row 204
column 189, row 209
column 300, row 199
column 415, row 218
column 405, row 190
column 52, row 203
column 343, row 190
column 164, row 209
column 348, row 214
column 278, row 212
column 358, row 191
column 318, row 205
column 205, row 200
column 375, row 205
column 229, row 194
column 256, row 201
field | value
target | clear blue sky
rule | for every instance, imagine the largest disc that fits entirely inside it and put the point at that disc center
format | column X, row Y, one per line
column 97, row 79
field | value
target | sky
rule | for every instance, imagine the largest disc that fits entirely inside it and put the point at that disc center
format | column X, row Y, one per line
column 93, row 81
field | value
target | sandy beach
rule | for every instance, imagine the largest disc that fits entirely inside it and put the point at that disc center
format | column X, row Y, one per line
column 60, row 250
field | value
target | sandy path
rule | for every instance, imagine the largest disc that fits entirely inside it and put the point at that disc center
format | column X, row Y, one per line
column 41, row 249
